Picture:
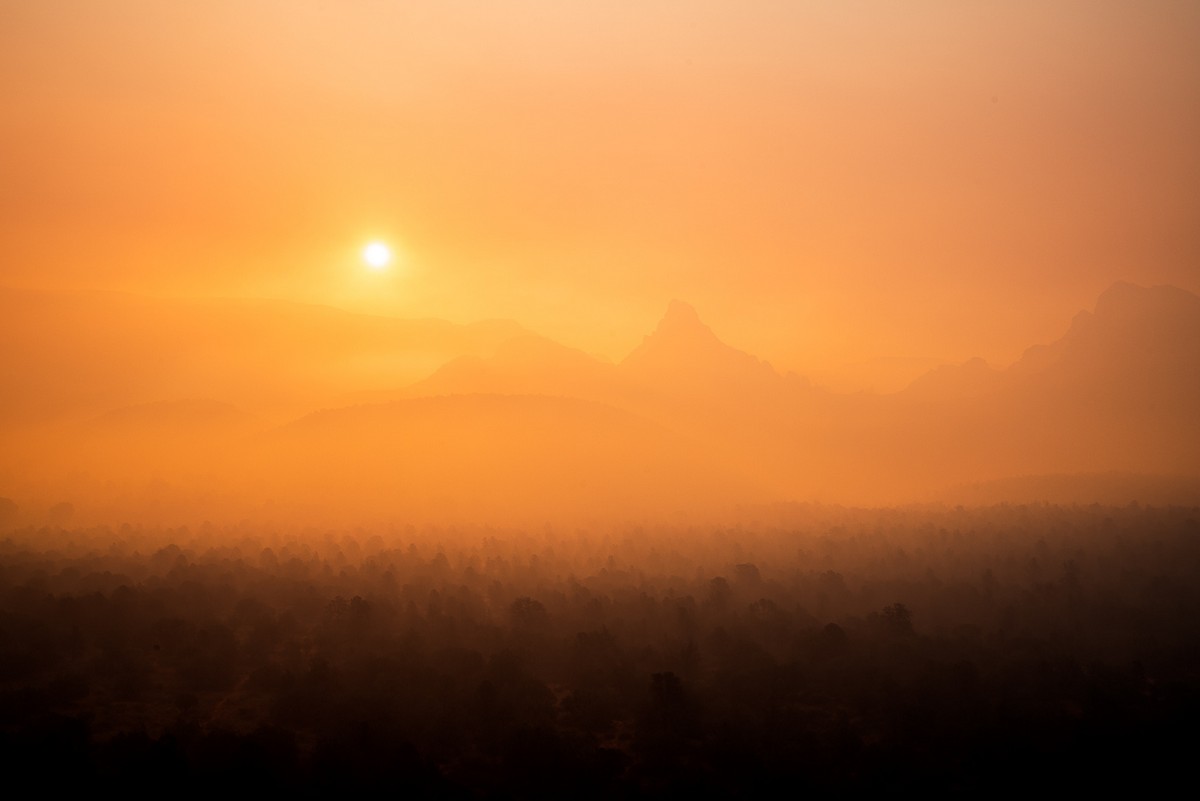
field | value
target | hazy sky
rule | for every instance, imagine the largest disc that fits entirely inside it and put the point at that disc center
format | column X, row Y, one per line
column 828, row 183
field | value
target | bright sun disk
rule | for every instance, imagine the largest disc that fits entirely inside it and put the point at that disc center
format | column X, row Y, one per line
column 377, row 255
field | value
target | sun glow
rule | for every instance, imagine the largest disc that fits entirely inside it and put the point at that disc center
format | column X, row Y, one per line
column 377, row 255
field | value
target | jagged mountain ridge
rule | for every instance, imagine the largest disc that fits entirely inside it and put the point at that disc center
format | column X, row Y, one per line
column 684, row 354
column 1134, row 333
column 1116, row 392
column 692, row 421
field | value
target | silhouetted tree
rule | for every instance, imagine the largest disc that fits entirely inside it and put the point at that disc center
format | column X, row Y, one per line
column 897, row 619
column 526, row 611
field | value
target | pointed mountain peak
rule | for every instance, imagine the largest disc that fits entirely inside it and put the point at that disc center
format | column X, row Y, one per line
column 680, row 315
column 682, row 322
column 681, row 327
column 685, row 353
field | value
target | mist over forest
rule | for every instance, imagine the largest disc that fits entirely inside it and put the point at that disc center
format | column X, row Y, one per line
column 813, row 648
column 263, row 558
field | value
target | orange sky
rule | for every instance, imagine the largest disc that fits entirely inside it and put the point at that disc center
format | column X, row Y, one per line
column 829, row 183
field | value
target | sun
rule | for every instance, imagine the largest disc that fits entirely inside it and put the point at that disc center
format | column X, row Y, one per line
column 377, row 256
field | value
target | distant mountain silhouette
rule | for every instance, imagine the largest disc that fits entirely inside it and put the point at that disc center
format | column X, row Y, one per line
column 1112, row 394
column 1136, row 340
column 684, row 356
column 681, row 359
column 971, row 379
column 504, row 421
column 1117, row 392
column 77, row 354
column 524, row 365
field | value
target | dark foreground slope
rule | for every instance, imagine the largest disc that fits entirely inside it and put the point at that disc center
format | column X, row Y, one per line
column 819, row 650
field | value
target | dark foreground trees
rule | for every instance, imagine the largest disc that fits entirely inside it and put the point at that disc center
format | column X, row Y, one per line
column 946, row 651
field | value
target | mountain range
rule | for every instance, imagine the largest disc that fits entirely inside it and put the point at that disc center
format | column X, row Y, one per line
column 111, row 394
